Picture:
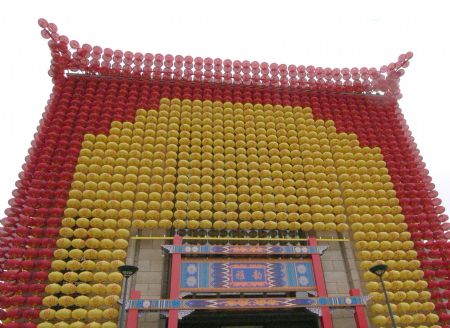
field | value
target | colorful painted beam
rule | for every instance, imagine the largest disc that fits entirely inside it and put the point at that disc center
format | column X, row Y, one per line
column 244, row 249
column 245, row 303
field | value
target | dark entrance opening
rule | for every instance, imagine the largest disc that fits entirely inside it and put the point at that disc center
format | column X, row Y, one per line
column 279, row 318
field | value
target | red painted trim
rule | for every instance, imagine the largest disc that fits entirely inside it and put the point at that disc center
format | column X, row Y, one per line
column 360, row 311
column 175, row 282
column 132, row 319
column 320, row 283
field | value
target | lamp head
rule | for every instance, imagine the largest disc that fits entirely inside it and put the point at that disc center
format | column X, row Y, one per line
column 128, row 270
column 379, row 269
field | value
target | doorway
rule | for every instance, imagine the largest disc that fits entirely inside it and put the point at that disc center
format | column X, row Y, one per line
column 298, row 318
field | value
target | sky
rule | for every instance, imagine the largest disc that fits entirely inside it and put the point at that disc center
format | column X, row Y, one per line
column 320, row 33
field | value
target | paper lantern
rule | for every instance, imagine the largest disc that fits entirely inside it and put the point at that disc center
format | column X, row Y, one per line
column 81, row 301
column 61, row 324
column 83, row 288
column 73, row 265
column 379, row 320
column 68, row 289
column 47, row 314
column 95, row 314
column 77, row 324
column 93, row 324
column 113, row 289
column 111, row 300
column 53, row 288
column 50, row 301
column 110, row 313
column 100, row 277
column 88, row 265
column 45, row 324
column 79, row 314
column 63, row 314
column 96, row 301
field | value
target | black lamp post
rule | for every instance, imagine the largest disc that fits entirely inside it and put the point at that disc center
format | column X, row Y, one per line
column 379, row 270
column 127, row 271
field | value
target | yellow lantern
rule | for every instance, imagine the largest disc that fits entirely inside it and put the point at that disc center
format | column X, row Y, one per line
column 95, row 314
column 111, row 300
column 70, row 276
column 45, row 324
column 93, row 324
column 377, row 308
column 432, row 318
column 419, row 318
column 88, row 265
column 63, row 314
column 406, row 319
column 81, row 301
column 96, row 301
column 73, row 265
column 372, row 286
column 63, row 243
column 68, row 288
column 403, row 307
column 104, row 254
column 113, row 289
column 61, row 324
column 47, row 314
column 77, row 324
column 110, row 313
column 379, row 320
column 79, row 314
column 428, row 306
column 86, row 276
column 53, row 288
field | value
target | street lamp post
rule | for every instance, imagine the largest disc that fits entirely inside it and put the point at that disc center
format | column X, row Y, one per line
column 379, row 270
column 127, row 271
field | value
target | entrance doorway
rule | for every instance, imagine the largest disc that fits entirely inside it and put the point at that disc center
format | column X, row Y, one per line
column 298, row 318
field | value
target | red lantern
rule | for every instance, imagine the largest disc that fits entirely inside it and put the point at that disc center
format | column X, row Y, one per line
column 12, row 325
column 34, row 300
column 23, row 276
column 40, row 275
column 14, row 313
column 28, row 264
column 444, row 317
column 46, row 253
column 16, row 252
column 31, row 253
column 17, row 300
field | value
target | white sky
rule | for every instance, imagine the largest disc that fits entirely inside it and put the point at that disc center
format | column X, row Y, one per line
column 320, row 33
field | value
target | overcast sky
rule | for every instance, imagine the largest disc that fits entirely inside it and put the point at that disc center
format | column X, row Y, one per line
column 321, row 33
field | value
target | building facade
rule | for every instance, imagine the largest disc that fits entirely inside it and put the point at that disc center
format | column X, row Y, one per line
column 247, row 194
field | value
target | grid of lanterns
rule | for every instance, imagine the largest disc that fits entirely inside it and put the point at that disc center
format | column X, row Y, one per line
column 70, row 54
column 213, row 165
column 81, row 105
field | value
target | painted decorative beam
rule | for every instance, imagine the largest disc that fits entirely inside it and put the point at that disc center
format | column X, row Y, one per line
column 244, row 303
column 244, row 249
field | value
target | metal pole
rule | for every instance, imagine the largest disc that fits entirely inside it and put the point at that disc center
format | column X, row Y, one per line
column 122, row 307
column 391, row 315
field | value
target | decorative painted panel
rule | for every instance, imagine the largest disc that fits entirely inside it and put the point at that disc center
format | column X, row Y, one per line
column 238, row 275
column 244, row 249
column 245, row 303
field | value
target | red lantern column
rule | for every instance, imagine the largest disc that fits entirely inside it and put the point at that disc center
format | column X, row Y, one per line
column 360, row 313
column 321, row 287
column 132, row 320
column 175, row 272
